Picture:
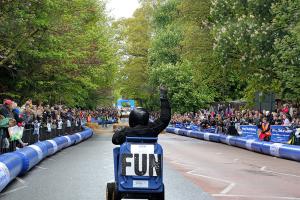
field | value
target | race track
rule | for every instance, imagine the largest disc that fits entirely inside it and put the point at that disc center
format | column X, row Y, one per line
column 191, row 166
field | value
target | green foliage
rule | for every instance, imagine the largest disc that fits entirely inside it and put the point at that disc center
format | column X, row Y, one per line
column 286, row 55
column 184, row 92
column 134, row 35
column 57, row 51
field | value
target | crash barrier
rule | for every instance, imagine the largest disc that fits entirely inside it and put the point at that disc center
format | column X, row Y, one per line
column 30, row 136
column 269, row 148
column 21, row 161
column 279, row 134
column 100, row 121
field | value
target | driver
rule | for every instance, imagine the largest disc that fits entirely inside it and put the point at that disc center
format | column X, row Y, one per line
column 139, row 125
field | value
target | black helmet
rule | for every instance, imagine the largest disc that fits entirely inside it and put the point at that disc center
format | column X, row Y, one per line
column 138, row 116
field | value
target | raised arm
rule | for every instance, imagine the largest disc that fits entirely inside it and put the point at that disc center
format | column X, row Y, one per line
column 165, row 114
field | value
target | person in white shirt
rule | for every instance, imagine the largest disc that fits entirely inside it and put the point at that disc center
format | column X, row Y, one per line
column 286, row 121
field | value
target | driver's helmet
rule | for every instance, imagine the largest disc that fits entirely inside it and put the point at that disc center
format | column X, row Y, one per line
column 138, row 116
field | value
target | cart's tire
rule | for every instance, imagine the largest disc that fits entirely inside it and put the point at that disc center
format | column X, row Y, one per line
column 110, row 190
column 116, row 194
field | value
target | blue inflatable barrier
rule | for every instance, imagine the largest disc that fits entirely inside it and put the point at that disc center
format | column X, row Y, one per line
column 290, row 152
column 61, row 142
column 22, row 160
column 226, row 139
column 249, row 142
column 78, row 138
column 214, row 137
column 52, row 147
column 73, row 139
column 41, row 146
column 31, row 156
column 10, row 167
column 69, row 141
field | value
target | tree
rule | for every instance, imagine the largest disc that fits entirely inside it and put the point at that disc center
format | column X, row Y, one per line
column 286, row 56
column 57, row 51
column 134, row 38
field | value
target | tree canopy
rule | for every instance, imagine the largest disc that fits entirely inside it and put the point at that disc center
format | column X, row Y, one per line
column 203, row 50
column 57, row 51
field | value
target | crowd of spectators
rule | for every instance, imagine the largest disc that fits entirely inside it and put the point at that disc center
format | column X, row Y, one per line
column 15, row 118
column 226, row 120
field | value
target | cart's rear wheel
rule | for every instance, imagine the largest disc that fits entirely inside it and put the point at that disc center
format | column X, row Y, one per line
column 110, row 191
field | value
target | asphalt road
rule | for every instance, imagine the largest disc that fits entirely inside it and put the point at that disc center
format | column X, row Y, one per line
column 228, row 172
column 191, row 167
column 81, row 173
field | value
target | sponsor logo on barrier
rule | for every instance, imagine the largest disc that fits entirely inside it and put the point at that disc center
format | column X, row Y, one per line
column 4, row 175
column 274, row 149
column 249, row 144
column 228, row 140
column 206, row 136
column 69, row 140
column 188, row 133
column 176, row 130
column 55, row 148
column 79, row 136
column 141, row 161
column 38, row 150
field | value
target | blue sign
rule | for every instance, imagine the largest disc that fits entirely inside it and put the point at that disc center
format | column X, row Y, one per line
column 249, row 132
column 122, row 103
column 280, row 134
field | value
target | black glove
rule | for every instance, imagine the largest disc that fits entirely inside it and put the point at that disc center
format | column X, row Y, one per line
column 163, row 92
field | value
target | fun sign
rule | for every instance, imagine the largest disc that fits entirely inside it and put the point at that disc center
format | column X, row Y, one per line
column 141, row 161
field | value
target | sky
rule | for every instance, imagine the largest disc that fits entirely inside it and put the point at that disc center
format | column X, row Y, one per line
column 122, row 8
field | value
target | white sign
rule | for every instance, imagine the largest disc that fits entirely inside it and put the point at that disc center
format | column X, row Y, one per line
column 140, row 184
column 141, row 161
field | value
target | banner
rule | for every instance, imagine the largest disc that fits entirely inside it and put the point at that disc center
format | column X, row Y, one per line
column 280, row 134
column 249, row 132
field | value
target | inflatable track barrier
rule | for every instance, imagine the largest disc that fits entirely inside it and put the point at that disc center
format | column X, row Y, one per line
column 21, row 161
column 279, row 150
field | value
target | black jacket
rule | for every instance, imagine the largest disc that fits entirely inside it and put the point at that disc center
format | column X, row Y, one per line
column 151, row 130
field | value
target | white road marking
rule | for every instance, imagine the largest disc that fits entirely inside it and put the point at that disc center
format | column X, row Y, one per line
column 51, row 159
column 263, row 168
column 12, row 191
column 228, row 188
column 279, row 173
column 225, row 191
column 253, row 196
column 21, row 180
column 40, row 167
column 178, row 163
column 235, row 160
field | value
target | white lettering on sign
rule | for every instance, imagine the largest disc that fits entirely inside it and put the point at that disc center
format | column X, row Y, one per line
column 140, row 184
column 274, row 149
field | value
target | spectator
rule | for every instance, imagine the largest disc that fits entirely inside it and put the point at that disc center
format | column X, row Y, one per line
column 286, row 121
